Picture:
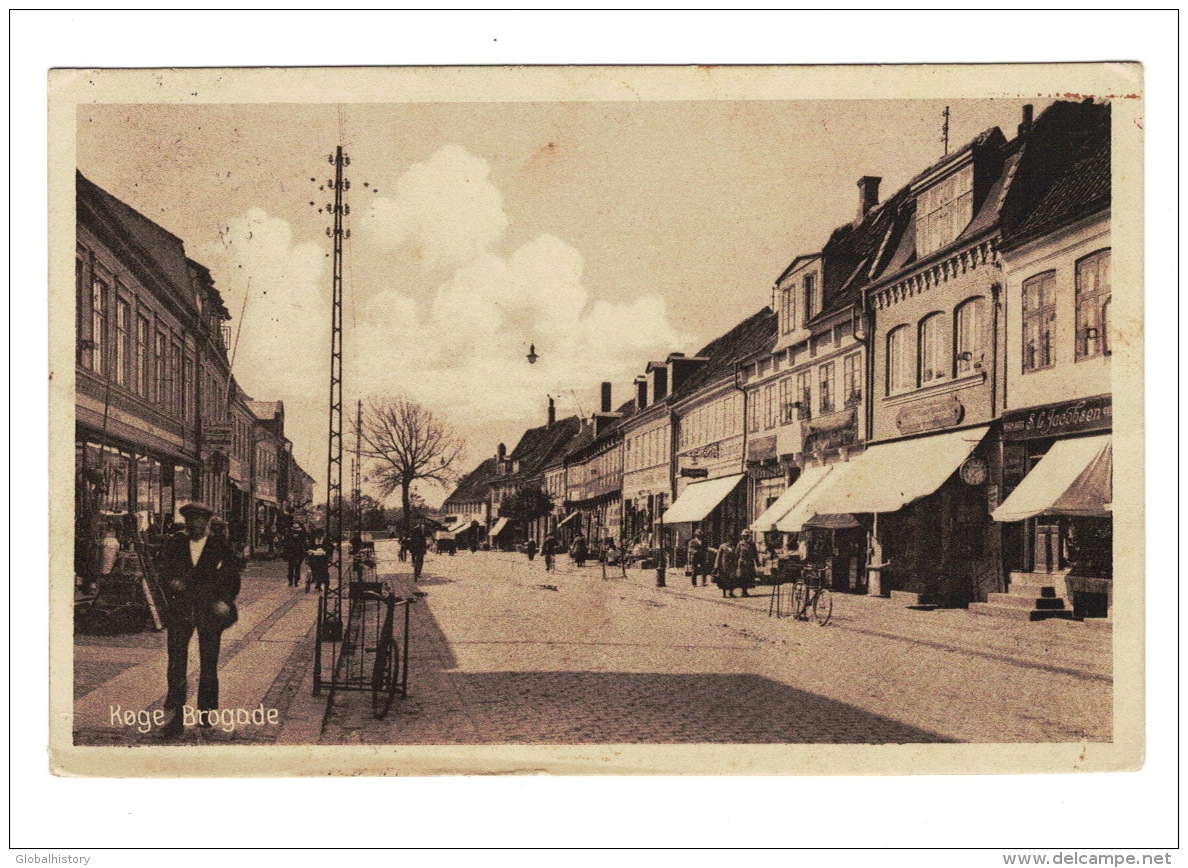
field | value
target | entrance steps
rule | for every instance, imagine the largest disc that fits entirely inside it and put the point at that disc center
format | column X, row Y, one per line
column 1032, row 597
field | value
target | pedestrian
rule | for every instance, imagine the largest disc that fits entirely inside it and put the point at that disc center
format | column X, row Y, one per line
column 698, row 558
column 726, row 568
column 748, row 563
column 416, row 550
column 530, row 549
column 578, row 550
column 549, row 549
column 403, row 554
column 319, row 564
column 294, row 546
column 202, row 580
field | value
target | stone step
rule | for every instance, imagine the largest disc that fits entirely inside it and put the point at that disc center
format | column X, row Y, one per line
column 1039, row 584
column 1017, row 614
column 1021, row 602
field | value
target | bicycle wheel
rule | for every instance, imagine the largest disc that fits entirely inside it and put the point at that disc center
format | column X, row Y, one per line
column 385, row 675
column 823, row 607
column 800, row 598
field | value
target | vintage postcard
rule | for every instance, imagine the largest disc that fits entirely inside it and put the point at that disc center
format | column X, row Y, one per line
column 597, row 420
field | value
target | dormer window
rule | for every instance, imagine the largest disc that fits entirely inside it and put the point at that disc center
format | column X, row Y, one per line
column 943, row 211
column 812, row 297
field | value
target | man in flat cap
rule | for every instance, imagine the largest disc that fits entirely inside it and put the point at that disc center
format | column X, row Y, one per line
column 201, row 574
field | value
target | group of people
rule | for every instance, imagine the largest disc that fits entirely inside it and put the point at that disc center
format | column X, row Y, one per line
column 301, row 546
column 733, row 566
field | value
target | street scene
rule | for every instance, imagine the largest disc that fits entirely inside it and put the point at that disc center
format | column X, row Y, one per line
column 504, row 653
column 471, row 423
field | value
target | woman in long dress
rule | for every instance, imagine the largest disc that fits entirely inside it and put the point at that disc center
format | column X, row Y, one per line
column 726, row 568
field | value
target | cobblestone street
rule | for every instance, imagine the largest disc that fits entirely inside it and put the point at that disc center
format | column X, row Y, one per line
column 503, row 652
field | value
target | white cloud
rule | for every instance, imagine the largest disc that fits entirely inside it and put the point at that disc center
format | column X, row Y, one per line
column 454, row 334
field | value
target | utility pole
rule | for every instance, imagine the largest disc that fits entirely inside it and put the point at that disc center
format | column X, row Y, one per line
column 357, row 494
column 945, row 131
column 330, row 623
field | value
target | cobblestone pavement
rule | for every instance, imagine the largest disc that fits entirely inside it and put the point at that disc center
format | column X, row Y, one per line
column 503, row 652
column 263, row 661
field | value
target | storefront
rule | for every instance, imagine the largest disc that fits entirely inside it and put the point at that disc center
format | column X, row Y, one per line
column 927, row 501
column 718, row 507
column 1057, row 475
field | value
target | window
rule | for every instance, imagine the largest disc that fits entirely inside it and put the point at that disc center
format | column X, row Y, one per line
column 99, row 298
column 187, row 390
column 969, row 349
column 159, row 379
column 943, row 211
column 1093, row 298
column 80, row 291
column 825, row 381
column 763, row 366
column 851, row 384
column 787, row 411
column 1039, row 321
column 769, row 406
column 123, row 312
column 899, row 363
column 142, row 355
column 175, row 380
column 753, row 411
column 804, row 395
column 787, row 310
column 933, row 357
column 812, row 297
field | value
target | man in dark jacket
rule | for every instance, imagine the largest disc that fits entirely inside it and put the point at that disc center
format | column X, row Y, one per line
column 201, row 574
column 416, row 548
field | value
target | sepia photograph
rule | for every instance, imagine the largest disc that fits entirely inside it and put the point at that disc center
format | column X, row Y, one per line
column 672, row 420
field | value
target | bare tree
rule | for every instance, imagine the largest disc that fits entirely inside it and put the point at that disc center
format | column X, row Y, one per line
column 407, row 442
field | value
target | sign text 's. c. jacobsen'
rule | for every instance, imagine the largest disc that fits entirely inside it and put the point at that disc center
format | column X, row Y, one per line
column 1086, row 414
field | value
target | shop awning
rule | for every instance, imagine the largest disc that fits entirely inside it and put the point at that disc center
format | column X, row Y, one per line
column 568, row 518
column 807, row 512
column 1075, row 478
column 465, row 524
column 699, row 499
column 888, row 476
column 499, row 526
column 797, row 491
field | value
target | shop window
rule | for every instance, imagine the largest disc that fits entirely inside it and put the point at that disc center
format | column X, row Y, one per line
column 943, row 211
column 932, row 354
column 969, row 348
column 825, row 381
column 1039, row 321
column 899, row 363
column 852, row 380
column 1093, row 298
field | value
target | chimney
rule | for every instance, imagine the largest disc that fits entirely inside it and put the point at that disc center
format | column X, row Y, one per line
column 606, row 397
column 552, row 412
column 1025, row 127
column 868, row 194
column 641, row 392
column 502, row 452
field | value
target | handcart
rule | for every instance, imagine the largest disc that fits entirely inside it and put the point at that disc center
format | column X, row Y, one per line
column 368, row 649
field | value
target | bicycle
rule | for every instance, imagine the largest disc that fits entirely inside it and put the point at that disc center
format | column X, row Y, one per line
column 810, row 592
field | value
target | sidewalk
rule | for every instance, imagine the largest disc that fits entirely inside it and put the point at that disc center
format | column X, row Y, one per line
column 262, row 663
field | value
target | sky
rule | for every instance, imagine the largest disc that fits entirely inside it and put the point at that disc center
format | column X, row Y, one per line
column 604, row 233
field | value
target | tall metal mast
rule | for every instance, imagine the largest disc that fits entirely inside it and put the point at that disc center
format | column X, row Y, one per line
column 334, row 440
column 357, row 467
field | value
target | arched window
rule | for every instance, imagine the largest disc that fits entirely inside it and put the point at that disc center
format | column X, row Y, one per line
column 899, row 362
column 934, row 360
column 969, row 336
column 1039, row 321
column 1093, row 294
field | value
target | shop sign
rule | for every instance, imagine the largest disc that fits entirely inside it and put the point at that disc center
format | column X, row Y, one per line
column 762, row 448
column 944, row 412
column 1055, row 420
column 694, row 472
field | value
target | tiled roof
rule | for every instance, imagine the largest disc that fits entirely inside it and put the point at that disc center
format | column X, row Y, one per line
column 475, row 485
column 756, row 334
column 538, row 446
column 265, row 410
column 1063, row 174
column 1082, row 189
